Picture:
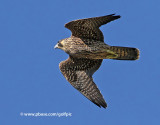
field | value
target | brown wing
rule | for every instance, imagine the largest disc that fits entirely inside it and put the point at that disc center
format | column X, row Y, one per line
column 79, row 73
column 89, row 28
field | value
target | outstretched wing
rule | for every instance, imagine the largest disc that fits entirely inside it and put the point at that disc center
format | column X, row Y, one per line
column 79, row 73
column 89, row 28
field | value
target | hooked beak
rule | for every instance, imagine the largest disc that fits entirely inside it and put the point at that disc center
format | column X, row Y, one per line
column 56, row 46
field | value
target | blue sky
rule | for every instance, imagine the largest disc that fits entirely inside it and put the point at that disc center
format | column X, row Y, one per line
column 30, row 79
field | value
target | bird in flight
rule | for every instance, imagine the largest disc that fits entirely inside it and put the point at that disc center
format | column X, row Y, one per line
column 86, row 49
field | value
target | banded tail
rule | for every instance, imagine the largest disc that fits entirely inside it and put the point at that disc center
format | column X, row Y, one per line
column 125, row 53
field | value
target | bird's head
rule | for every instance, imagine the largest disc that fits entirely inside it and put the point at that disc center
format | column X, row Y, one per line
column 62, row 44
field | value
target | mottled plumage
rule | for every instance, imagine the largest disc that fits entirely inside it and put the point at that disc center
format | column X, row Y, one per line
column 79, row 73
column 86, row 49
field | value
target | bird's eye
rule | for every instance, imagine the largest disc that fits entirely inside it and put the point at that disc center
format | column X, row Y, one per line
column 60, row 45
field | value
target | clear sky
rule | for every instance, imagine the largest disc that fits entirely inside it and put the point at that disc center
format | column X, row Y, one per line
column 30, row 79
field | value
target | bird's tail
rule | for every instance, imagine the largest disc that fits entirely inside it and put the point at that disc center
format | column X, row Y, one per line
column 124, row 53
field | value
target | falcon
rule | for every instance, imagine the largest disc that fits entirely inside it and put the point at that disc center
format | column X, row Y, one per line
column 86, row 49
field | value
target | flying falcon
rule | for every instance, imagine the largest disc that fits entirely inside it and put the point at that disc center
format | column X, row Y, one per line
column 86, row 49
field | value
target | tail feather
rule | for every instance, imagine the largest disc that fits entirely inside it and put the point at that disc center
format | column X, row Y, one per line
column 125, row 53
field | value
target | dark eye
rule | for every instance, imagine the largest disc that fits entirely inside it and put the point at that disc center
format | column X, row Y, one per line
column 59, row 44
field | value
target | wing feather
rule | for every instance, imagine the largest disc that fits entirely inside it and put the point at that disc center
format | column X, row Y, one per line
column 89, row 28
column 79, row 73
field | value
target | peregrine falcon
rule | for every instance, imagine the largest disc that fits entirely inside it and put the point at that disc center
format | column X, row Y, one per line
column 86, row 49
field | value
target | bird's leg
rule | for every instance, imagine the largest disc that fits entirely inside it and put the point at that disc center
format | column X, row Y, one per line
column 98, row 53
column 101, row 51
column 104, row 54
